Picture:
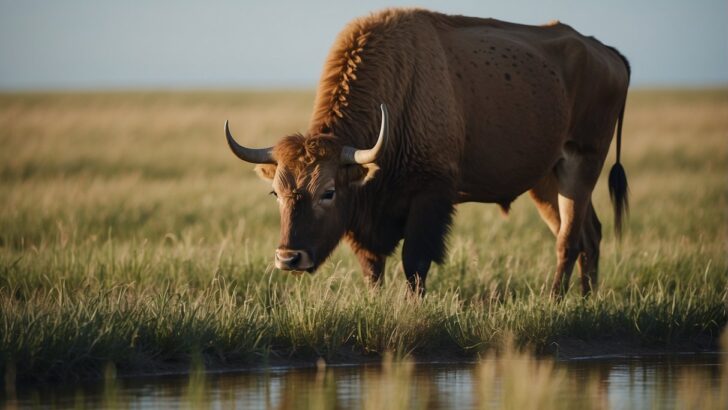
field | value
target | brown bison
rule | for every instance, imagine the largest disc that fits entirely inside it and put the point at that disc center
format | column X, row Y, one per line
column 472, row 109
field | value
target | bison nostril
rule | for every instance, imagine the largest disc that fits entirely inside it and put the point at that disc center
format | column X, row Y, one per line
column 295, row 258
column 290, row 258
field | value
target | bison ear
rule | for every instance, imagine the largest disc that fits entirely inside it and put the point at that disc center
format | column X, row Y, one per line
column 359, row 175
column 266, row 171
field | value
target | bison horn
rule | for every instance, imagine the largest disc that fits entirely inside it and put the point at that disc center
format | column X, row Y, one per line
column 253, row 155
column 350, row 155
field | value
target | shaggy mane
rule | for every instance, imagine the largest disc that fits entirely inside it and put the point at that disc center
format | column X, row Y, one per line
column 361, row 56
column 340, row 71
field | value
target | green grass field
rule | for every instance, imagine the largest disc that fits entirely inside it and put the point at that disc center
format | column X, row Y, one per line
column 129, row 234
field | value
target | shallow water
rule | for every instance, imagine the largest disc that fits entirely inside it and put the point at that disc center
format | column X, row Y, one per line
column 613, row 382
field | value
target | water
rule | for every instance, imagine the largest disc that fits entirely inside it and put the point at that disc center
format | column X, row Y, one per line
column 620, row 383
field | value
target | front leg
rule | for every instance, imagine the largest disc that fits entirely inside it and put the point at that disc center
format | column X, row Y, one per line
column 372, row 265
column 428, row 224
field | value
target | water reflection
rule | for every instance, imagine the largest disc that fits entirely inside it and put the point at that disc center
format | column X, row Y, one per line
column 511, row 381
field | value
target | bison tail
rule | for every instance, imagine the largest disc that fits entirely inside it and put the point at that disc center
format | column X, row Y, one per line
column 618, row 189
column 618, row 193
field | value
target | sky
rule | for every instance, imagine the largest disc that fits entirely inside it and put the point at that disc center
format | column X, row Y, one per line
column 76, row 44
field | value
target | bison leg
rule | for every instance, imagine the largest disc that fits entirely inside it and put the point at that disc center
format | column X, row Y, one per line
column 372, row 265
column 576, row 176
column 546, row 197
column 567, row 244
column 428, row 224
column 591, row 236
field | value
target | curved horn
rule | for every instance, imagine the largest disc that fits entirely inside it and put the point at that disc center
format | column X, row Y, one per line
column 252, row 155
column 350, row 155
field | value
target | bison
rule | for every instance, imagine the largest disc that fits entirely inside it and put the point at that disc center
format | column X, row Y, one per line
column 472, row 109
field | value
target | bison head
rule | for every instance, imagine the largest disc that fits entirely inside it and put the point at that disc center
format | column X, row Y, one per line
column 314, row 180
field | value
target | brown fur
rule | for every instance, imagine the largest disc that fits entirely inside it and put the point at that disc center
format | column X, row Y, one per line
column 297, row 149
column 480, row 110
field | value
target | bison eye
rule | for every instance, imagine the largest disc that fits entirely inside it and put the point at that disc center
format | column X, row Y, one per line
column 328, row 195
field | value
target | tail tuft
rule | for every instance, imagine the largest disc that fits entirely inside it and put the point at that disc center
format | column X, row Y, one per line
column 618, row 192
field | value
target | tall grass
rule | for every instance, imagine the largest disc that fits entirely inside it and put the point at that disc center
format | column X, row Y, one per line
column 130, row 235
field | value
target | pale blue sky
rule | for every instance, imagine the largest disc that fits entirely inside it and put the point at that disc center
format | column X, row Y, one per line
column 241, row 44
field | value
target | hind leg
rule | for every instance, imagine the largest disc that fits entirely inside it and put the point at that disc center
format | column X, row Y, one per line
column 546, row 197
column 576, row 174
column 591, row 236
column 563, row 200
column 567, row 243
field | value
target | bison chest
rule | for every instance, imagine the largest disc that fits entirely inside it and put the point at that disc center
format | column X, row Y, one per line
column 380, row 222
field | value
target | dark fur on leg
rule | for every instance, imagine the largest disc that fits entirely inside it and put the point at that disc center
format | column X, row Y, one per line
column 428, row 225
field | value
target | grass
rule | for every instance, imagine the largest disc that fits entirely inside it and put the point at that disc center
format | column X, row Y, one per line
column 130, row 235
